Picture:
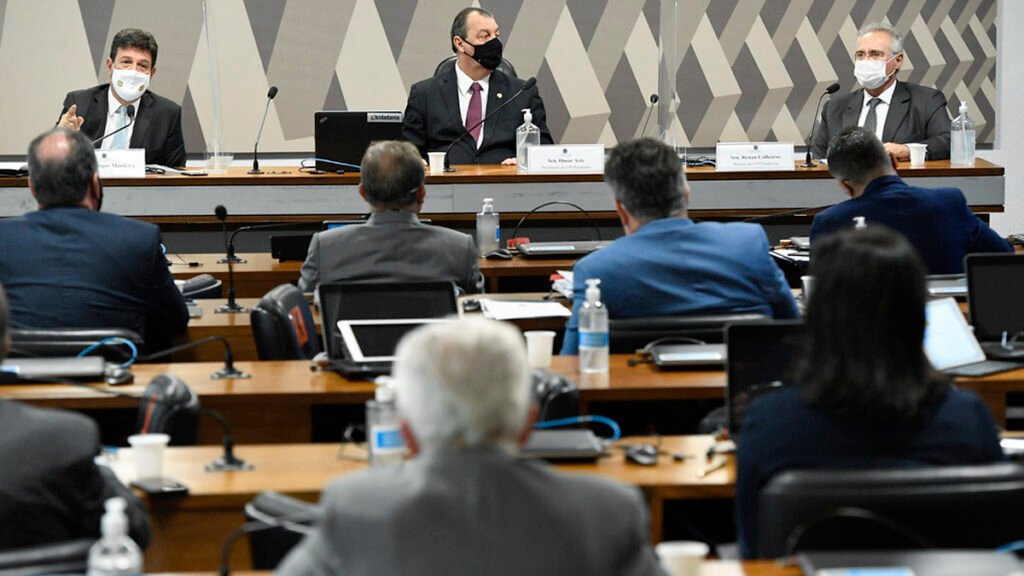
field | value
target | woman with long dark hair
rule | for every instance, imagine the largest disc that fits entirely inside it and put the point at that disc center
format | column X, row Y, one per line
column 865, row 395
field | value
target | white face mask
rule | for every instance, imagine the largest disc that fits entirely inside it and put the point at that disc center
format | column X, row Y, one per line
column 129, row 85
column 871, row 73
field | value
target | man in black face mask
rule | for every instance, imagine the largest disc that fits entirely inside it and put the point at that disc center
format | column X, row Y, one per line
column 442, row 108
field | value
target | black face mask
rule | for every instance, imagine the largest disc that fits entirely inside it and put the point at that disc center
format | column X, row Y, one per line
column 487, row 54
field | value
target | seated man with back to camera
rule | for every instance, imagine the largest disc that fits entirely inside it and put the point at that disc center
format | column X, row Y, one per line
column 937, row 221
column 442, row 108
column 668, row 265
column 101, row 110
column 68, row 265
column 51, row 489
column 393, row 245
column 465, row 504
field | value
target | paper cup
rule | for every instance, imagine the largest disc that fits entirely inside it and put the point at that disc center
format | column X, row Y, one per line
column 681, row 558
column 436, row 162
column 917, row 154
column 148, row 450
column 539, row 344
column 806, row 281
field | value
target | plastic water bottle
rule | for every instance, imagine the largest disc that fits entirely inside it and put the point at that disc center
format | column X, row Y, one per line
column 115, row 554
column 488, row 228
column 384, row 437
column 593, row 331
column 962, row 139
column 526, row 135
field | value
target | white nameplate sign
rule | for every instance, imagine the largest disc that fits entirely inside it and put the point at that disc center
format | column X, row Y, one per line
column 122, row 163
column 754, row 156
column 564, row 158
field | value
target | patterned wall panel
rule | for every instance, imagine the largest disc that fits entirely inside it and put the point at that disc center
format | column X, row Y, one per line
column 748, row 69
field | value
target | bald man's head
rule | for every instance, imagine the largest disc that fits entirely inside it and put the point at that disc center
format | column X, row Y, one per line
column 61, row 167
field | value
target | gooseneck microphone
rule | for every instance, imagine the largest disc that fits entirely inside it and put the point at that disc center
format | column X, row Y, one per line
column 809, row 160
column 650, row 110
column 231, row 307
column 227, row 371
column 256, row 148
column 530, row 83
column 130, row 112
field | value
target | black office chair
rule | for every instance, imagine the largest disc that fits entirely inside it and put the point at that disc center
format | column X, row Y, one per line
column 65, row 342
column 626, row 335
column 202, row 287
column 60, row 558
column 269, row 546
column 928, row 507
column 556, row 396
column 449, row 64
column 282, row 325
column 169, row 406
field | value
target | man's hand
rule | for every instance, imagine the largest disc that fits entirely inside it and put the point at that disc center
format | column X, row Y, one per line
column 512, row 161
column 900, row 152
column 72, row 121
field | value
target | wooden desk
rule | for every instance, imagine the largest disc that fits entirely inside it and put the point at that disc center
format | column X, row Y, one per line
column 199, row 522
column 261, row 272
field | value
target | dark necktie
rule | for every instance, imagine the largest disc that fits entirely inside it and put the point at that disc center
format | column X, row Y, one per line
column 871, row 120
column 475, row 112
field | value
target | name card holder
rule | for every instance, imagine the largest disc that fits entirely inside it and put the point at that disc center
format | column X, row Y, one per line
column 122, row 163
column 767, row 156
column 564, row 159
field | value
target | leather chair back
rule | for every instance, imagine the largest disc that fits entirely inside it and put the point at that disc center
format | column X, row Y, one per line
column 60, row 558
column 268, row 547
column 626, row 335
column 282, row 325
column 449, row 63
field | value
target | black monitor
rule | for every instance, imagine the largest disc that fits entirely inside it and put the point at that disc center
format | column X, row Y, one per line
column 344, row 135
column 993, row 283
column 760, row 358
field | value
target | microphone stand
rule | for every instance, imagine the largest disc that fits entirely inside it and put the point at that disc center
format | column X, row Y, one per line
column 231, row 306
column 227, row 461
column 809, row 159
column 530, row 83
column 226, row 372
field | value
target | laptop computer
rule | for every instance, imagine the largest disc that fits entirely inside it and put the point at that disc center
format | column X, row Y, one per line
column 344, row 135
column 377, row 340
column 909, row 563
column 760, row 358
column 943, row 285
column 993, row 284
column 86, row 368
column 671, row 356
column 562, row 445
column 561, row 249
column 376, row 301
column 951, row 346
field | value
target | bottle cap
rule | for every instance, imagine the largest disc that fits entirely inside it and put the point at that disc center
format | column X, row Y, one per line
column 527, row 116
column 963, row 107
column 115, row 521
column 593, row 292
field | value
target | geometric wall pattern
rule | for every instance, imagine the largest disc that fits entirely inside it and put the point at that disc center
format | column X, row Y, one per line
column 748, row 69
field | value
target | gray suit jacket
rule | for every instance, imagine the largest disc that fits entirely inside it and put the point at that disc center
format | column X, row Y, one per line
column 474, row 511
column 392, row 247
column 916, row 114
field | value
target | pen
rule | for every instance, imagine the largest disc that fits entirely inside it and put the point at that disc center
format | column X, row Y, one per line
column 716, row 465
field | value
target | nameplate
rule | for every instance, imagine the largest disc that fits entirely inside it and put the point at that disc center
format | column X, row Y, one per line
column 122, row 163
column 754, row 156
column 564, row 158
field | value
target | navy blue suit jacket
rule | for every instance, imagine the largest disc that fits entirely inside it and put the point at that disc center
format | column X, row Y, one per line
column 674, row 267
column 937, row 221
column 781, row 432
column 70, row 267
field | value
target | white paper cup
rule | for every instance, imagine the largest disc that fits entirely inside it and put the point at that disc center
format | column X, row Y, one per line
column 917, row 154
column 806, row 281
column 681, row 558
column 539, row 344
column 148, row 450
column 436, row 162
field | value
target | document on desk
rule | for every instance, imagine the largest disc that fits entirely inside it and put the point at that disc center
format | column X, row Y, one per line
column 520, row 309
column 792, row 255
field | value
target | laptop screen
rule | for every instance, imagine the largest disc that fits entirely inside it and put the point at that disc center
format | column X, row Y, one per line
column 948, row 340
column 377, row 340
column 760, row 358
column 993, row 282
column 344, row 135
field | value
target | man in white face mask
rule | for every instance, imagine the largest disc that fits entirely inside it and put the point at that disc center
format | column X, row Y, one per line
column 898, row 113
column 125, row 109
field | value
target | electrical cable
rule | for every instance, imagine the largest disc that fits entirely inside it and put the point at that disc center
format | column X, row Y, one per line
column 616, row 430
column 114, row 340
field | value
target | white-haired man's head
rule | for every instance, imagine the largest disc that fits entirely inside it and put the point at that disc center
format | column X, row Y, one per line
column 464, row 384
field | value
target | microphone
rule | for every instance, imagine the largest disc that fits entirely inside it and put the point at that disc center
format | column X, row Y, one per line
column 650, row 110
column 231, row 307
column 809, row 160
column 228, row 371
column 530, row 83
column 256, row 148
column 274, row 226
column 515, row 232
column 130, row 111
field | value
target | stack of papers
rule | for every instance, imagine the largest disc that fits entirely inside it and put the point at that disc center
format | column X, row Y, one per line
column 792, row 254
column 564, row 284
column 520, row 309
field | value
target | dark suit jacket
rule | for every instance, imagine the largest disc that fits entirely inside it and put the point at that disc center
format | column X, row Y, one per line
column 157, row 123
column 937, row 221
column 916, row 114
column 433, row 122
column 50, row 488
column 781, row 432
column 75, row 268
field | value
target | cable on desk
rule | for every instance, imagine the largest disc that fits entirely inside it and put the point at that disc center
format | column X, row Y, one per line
column 616, row 431
column 116, row 340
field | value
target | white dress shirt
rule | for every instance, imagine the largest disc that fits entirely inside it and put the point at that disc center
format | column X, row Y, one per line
column 881, row 110
column 465, row 83
column 112, row 112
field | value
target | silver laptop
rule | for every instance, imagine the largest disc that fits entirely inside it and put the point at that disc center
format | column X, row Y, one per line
column 84, row 368
column 558, row 249
column 688, row 355
column 951, row 346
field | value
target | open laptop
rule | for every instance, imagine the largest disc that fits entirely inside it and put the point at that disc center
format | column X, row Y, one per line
column 572, row 248
column 760, row 358
column 993, row 285
column 376, row 301
column 344, row 135
column 951, row 346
